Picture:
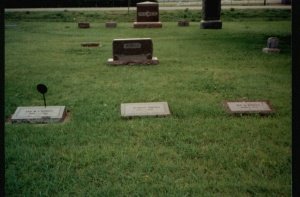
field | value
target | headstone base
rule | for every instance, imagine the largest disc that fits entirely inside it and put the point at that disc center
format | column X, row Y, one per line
column 271, row 50
column 147, row 25
column 211, row 24
column 39, row 114
column 152, row 61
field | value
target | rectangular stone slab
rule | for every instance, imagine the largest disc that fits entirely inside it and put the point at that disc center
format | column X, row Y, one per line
column 249, row 107
column 39, row 114
column 145, row 109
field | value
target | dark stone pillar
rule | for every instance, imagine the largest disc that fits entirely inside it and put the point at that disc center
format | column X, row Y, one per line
column 211, row 13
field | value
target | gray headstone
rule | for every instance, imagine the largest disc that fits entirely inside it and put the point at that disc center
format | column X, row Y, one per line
column 132, row 51
column 145, row 109
column 211, row 12
column 272, row 45
column 38, row 114
column 147, row 15
column 249, row 107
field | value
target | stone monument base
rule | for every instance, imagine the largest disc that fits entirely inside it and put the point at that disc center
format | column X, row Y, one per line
column 271, row 50
column 152, row 61
column 211, row 24
column 147, row 25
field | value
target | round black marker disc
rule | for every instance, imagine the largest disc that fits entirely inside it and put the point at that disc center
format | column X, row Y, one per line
column 41, row 88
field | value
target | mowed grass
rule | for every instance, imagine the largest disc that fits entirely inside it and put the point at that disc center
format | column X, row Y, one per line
column 199, row 150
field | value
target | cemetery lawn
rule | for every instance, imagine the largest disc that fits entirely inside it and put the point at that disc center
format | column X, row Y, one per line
column 199, row 150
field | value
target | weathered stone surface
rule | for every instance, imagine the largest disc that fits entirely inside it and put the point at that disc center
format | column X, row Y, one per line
column 90, row 44
column 145, row 109
column 133, row 51
column 38, row 114
column 83, row 25
column 272, row 45
column 111, row 24
column 211, row 12
column 183, row 23
column 147, row 15
column 249, row 107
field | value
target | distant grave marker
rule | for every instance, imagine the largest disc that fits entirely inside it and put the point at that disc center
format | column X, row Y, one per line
column 183, row 23
column 147, row 15
column 90, row 44
column 83, row 25
column 111, row 24
column 211, row 13
column 132, row 51
column 272, row 45
column 145, row 109
column 249, row 107
column 38, row 114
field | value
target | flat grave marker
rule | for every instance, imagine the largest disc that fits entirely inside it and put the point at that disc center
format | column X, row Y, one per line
column 145, row 109
column 39, row 114
column 249, row 107
column 90, row 44
column 132, row 51
column 111, row 24
column 83, row 25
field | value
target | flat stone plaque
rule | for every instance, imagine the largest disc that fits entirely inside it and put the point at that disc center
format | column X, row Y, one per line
column 145, row 109
column 39, row 114
column 249, row 107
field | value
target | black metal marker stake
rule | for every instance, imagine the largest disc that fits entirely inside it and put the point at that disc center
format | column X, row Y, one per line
column 42, row 89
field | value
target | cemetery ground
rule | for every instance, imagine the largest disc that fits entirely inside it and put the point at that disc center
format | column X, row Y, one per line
column 199, row 150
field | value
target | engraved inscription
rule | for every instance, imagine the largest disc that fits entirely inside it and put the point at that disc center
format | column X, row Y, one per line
column 147, row 14
column 134, row 45
column 145, row 109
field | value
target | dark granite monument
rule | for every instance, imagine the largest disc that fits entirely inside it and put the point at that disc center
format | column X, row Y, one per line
column 272, row 45
column 147, row 15
column 132, row 51
column 211, row 13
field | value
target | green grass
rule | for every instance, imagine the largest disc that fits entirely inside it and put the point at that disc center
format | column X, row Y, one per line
column 199, row 150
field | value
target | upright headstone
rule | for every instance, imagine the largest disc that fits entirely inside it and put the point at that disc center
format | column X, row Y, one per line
column 272, row 45
column 211, row 13
column 147, row 15
column 132, row 51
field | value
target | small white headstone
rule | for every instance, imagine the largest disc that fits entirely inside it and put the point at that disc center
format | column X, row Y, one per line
column 145, row 109
column 38, row 114
column 248, row 107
